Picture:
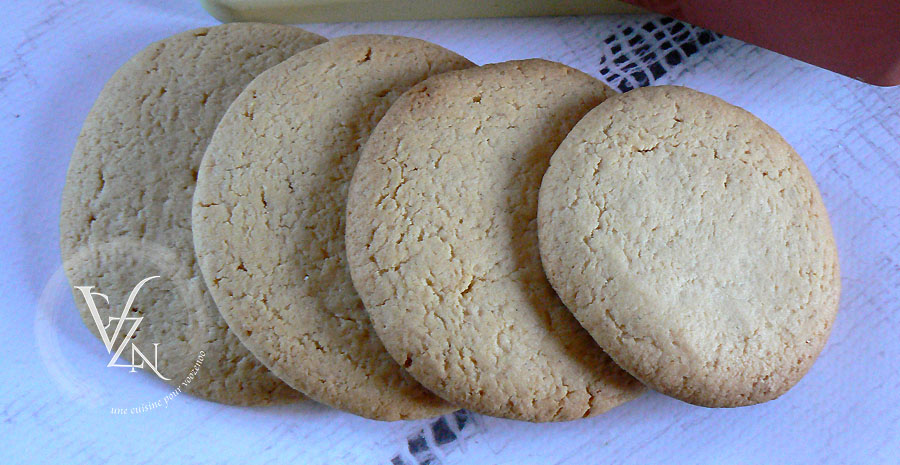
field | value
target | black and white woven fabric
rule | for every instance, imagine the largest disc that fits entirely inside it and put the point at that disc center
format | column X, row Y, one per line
column 637, row 53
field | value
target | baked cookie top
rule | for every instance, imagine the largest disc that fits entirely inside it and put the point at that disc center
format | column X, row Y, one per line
column 126, row 205
column 442, row 243
column 269, row 219
column 690, row 239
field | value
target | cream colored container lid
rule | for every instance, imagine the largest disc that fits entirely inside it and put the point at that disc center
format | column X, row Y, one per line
column 315, row 11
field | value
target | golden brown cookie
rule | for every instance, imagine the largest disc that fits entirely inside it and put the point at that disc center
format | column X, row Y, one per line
column 442, row 243
column 269, row 219
column 127, row 202
column 690, row 239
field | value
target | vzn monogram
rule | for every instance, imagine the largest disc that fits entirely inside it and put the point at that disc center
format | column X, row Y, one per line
column 108, row 340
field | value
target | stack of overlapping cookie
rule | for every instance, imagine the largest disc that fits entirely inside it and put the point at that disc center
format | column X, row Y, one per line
column 391, row 230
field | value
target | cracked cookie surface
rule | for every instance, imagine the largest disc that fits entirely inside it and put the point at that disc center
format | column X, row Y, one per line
column 126, row 205
column 690, row 239
column 269, row 219
column 442, row 243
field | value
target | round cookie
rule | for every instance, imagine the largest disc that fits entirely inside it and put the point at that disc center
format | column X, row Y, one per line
column 269, row 219
column 690, row 239
column 127, row 201
column 442, row 243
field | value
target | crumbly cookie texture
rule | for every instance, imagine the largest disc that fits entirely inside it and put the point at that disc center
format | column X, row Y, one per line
column 269, row 219
column 690, row 239
column 442, row 243
column 126, row 206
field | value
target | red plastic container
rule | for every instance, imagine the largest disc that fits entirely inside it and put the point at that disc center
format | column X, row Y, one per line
column 860, row 39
